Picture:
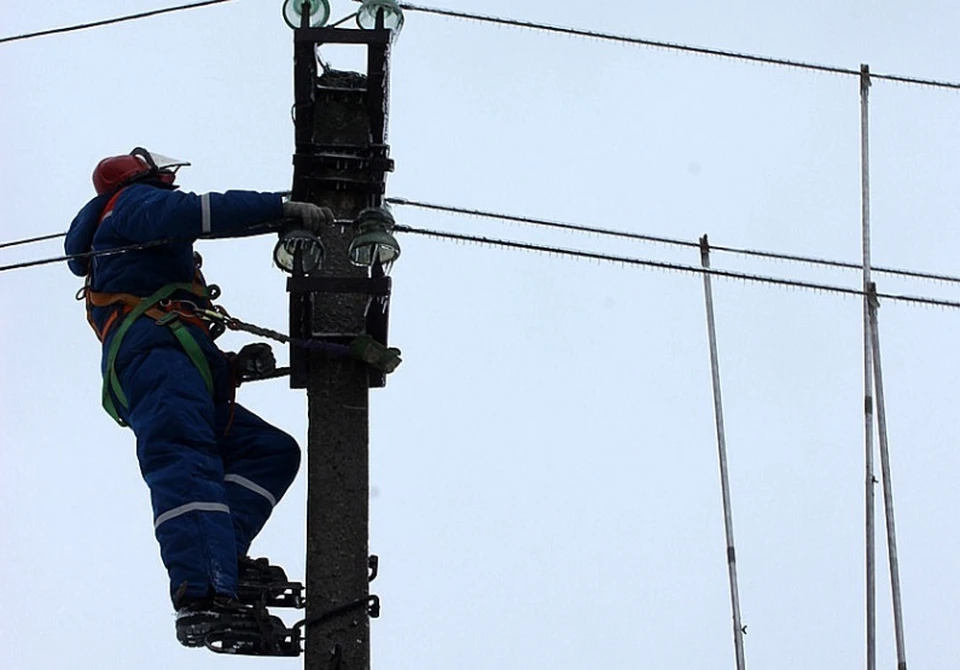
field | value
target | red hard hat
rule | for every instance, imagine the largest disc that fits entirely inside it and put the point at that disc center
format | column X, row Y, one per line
column 115, row 171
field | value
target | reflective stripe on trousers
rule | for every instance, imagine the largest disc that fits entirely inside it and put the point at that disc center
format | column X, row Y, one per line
column 252, row 486
column 190, row 507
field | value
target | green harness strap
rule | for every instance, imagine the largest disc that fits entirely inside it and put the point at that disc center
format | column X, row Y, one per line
column 111, row 382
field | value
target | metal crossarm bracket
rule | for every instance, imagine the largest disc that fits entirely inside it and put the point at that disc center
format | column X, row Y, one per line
column 372, row 186
column 342, row 36
column 346, row 168
column 374, row 286
column 341, row 157
column 303, row 291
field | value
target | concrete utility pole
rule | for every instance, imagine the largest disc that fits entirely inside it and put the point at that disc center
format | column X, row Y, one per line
column 341, row 162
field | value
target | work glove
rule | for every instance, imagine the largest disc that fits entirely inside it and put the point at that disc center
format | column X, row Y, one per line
column 311, row 217
column 371, row 352
column 253, row 362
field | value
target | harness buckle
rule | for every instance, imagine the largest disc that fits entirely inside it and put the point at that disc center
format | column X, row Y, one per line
column 167, row 318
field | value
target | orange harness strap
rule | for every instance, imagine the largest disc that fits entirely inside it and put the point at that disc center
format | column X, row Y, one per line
column 126, row 302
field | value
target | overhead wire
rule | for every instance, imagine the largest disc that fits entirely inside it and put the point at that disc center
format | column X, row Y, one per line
column 914, row 274
column 30, row 240
column 90, row 254
column 266, row 227
column 674, row 46
column 673, row 267
column 106, row 22
column 560, row 251
column 533, row 25
column 572, row 227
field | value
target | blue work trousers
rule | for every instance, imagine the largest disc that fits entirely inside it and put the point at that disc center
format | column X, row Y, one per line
column 215, row 470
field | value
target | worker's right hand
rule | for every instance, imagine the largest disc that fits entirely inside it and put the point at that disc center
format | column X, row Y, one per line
column 312, row 217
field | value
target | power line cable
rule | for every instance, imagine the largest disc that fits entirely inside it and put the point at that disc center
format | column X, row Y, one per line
column 673, row 46
column 261, row 228
column 90, row 254
column 573, row 227
column 30, row 240
column 914, row 274
column 105, row 22
column 672, row 267
column 560, row 251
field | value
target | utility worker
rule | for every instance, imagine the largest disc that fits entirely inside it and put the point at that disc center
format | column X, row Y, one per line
column 215, row 470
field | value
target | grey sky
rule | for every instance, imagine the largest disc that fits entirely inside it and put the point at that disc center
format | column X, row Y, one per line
column 544, row 462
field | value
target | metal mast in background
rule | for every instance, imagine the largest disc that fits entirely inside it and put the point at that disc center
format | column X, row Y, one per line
column 869, row 479
column 886, row 476
column 722, row 452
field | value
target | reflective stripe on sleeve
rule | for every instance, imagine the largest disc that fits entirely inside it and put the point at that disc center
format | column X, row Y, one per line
column 190, row 507
column 256, row 488
column 205, row 214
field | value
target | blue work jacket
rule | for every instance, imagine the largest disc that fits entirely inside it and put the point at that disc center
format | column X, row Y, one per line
column 144, row 212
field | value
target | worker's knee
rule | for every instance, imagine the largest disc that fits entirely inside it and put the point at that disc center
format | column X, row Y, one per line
column 286, row 457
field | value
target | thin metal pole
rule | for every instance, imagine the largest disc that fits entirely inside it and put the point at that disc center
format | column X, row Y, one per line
column 887, row 486
column 722, row 451
column 869, row 478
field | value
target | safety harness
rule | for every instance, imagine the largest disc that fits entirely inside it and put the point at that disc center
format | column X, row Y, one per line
column 162, row 308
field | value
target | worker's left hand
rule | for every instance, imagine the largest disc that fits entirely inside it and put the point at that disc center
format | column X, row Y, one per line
column 255, row 361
